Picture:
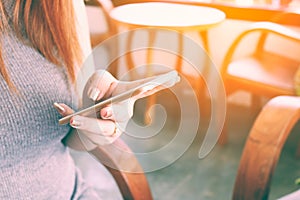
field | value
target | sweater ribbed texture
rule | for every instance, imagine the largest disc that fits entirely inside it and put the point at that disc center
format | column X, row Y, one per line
column 34, row 164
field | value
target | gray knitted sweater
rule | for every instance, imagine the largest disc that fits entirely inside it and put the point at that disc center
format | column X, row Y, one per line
column 34, row 164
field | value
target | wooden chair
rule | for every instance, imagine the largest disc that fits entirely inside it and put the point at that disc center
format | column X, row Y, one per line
column 126, row 170
column 263, row 72
column 263, row 147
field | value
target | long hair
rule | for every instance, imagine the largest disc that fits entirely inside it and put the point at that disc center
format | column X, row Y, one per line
column 50, row 27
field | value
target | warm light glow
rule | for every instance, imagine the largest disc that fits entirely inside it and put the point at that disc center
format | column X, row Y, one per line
column 244, row 2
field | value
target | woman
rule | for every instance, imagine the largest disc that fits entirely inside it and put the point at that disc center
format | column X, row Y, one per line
column 38, row 38
column 38, row 59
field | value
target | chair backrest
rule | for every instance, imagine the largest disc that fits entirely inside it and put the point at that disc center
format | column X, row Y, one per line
column 268, row 70
column 263, row 147
column 286, row 18
column 265, row 28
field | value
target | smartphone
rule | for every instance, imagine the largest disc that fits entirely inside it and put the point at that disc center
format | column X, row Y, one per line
column 160, row 80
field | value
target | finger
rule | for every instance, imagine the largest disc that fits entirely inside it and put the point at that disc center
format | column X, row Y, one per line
column 93, row 125
column 155, row 87
column 148, row 92
column 151, row 89
column 100, row 84
column 106, row 113
column 118, row 112
column 99, row 132
column 123, row 86
column 132, row 84
column 63, row 109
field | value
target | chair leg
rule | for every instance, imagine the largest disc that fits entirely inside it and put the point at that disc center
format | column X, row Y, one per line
column 152, row 98
column 129, row 57
column 223, row 139
column 255, row 103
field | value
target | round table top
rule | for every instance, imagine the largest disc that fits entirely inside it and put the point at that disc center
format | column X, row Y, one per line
column 167, row 15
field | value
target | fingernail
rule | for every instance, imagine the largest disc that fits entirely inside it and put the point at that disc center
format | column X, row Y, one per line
column 94, row 94
column 108, row 113
column 75, row 122
column 59, row 107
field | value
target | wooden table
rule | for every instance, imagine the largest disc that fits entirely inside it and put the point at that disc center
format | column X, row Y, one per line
column 235, row 11
column 169, row 16
column 166, row 16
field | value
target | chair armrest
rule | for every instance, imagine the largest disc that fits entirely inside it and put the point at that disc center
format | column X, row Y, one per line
column 263, row 147
column 125, row 168
column 263, row 28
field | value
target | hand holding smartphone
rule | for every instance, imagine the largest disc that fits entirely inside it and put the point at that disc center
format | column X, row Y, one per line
column 164, row 80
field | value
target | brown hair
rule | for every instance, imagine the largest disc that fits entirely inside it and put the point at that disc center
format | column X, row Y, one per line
column 50, row 27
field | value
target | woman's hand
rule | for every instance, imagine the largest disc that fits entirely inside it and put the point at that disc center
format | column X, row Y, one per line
column 113, row 118
column 93, row 132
